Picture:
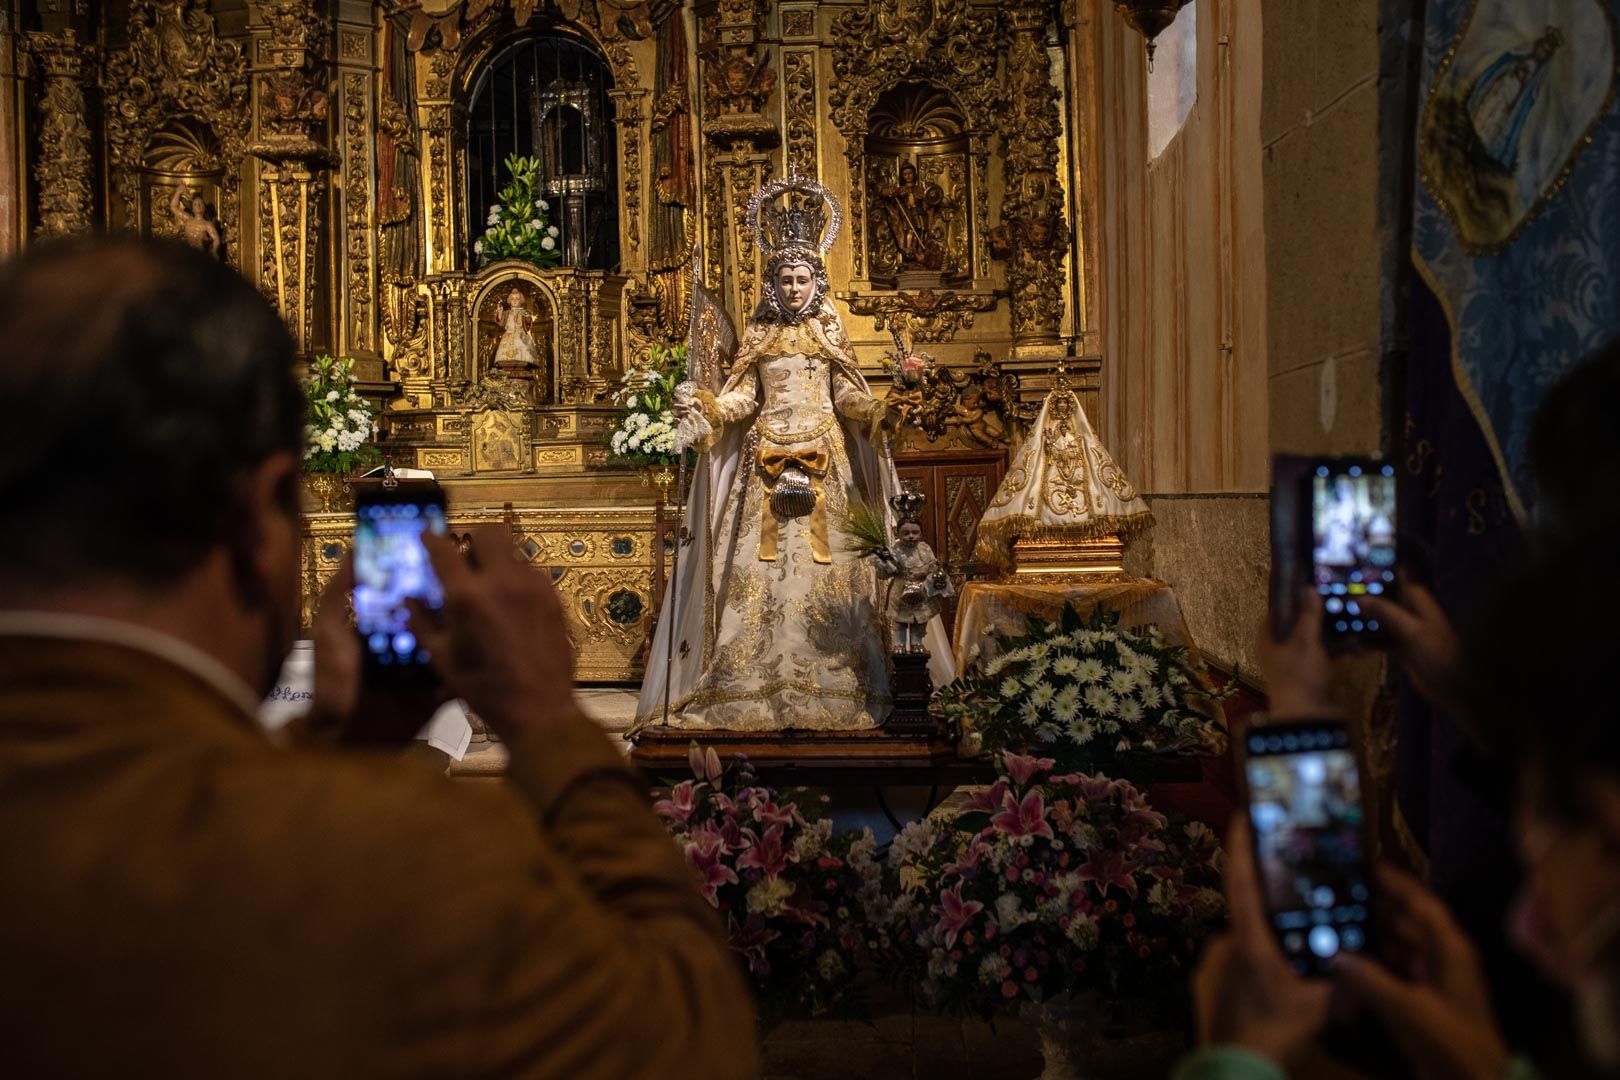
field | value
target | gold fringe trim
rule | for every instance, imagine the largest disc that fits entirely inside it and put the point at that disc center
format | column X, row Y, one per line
column 996, row 538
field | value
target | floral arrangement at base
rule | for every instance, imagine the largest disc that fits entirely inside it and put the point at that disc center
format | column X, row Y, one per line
column 518, row 226
column 643, row 433
column 338, row 424
column 1083, row 692
column 793, row 895
column 1049, row 884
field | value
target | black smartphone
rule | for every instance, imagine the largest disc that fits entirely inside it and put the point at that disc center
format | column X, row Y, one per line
column 391, row 567
column 1305, row 809
column 1352, row 537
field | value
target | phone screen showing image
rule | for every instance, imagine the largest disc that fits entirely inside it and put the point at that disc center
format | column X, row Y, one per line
column 1306, row 811
column 1353, row 551
column 391, row 567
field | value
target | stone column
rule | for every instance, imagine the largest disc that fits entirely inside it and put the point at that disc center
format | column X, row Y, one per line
column 63, row 167
column 1032, row 235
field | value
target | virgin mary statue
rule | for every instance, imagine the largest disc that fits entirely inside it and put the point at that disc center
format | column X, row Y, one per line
column 774, row 621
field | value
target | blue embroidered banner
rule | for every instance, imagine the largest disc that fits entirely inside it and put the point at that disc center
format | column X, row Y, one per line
column 1517, row 212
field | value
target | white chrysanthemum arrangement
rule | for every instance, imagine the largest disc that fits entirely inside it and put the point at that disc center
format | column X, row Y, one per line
column 644, row 432
column 517, row 226
column 338, row 425
column 1081, row 692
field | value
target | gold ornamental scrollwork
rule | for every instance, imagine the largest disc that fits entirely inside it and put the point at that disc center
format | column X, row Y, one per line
column 974, row 408
column 933, row 315
column 64, row 168
column 175, row 75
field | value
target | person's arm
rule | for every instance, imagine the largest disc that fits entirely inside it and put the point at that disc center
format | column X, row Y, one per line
column 605, row 958
column 855, row 404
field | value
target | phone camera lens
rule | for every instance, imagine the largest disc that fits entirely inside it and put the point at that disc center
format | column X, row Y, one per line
column 1324, row 941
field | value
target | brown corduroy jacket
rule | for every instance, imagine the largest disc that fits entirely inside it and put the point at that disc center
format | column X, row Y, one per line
column 179, row 898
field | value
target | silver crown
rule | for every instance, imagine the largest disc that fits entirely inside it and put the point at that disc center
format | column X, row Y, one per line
column 808, row 218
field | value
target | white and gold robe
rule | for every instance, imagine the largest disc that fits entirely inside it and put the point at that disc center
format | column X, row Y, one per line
column 776, row 620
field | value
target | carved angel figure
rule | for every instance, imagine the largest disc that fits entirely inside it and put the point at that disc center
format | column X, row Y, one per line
column 195, row 218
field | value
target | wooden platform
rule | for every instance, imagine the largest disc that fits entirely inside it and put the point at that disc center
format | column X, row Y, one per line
column 660, row 749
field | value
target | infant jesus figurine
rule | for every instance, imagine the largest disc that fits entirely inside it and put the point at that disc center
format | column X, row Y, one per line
column 918, row 583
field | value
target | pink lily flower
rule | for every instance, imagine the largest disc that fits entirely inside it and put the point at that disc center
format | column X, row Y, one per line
column 767, row 853
column 681, row 804
column 1021, row 767
column 1109, row 868
column 954, row 912
column 1096, row 788
column 989, row 800
column 705, row 763
column 706, row 851
column 1027, row 818
column 768, row 813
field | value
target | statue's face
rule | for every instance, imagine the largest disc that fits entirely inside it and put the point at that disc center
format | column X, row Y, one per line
column 795, row 286
column 909, row 532
column 908, row 174
column 197, row 205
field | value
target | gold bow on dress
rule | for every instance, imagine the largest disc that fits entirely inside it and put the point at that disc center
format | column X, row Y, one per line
column 814, row 461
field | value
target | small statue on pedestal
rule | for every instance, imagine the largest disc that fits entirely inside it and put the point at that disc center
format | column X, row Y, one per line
column 919, row 583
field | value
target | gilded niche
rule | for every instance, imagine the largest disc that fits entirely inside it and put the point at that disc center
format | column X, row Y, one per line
column 919, row 197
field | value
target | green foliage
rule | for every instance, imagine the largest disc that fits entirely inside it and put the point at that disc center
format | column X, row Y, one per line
column 864, row 527
column 518, row 226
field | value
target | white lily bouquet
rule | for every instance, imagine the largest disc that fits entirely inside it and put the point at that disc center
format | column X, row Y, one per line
column 517, row 227
column 644, row 432
column 338, row 425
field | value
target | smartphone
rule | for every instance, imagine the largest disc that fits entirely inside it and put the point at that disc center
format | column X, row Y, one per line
column 1352, row 533
column 1305, row 810
column 391, row 567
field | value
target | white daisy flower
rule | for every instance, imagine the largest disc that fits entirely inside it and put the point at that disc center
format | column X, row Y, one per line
column 1065, row 665
column 1042, row 694
column 1089, row 671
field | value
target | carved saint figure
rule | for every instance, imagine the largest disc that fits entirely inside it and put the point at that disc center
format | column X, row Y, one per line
column 918, row 584
column 911, row 212
column 516, row 350
column 198, row 224
column 775, row 624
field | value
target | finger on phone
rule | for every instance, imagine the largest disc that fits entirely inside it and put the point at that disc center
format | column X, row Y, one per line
column 453, row 572
column 1244, row 909
column 333, row 609
column 430, row 632
column 490, row 548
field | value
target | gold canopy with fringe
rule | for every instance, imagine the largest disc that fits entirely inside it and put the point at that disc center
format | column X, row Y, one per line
column 1063, row 487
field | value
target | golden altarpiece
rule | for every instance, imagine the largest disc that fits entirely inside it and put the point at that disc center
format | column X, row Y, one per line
column 344, row 153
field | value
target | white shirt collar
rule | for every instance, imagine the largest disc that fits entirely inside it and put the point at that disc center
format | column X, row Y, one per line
column 189, row 658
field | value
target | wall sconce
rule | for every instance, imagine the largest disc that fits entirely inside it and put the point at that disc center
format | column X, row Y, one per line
column 1149, row 17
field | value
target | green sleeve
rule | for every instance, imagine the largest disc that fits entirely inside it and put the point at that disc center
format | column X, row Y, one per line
column 1229, row 1063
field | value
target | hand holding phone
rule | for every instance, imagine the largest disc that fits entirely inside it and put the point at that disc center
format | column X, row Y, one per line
column 1306, row 817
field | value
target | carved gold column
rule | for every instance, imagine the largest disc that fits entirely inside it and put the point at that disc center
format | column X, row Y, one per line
column 435, row 119
column 738, row 81
column 291, row 109
column 356, row 284
column 63, row 169
column 13, row 145
column 1032, row 235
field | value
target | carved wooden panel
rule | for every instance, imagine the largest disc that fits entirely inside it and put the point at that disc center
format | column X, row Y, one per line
column 959, row 485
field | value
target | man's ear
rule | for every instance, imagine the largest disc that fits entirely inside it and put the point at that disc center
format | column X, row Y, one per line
column 268, row 526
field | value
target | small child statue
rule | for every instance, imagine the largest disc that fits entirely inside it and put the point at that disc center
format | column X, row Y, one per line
column 919, row 583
